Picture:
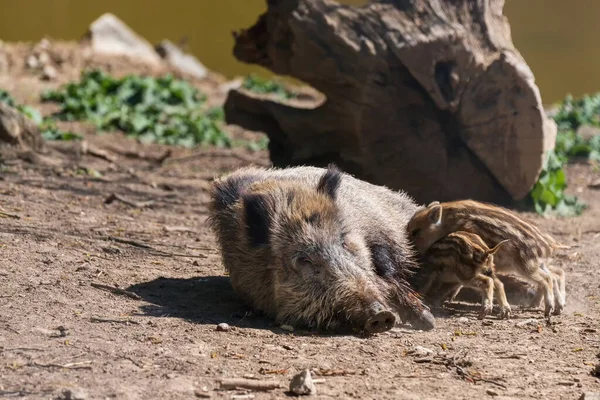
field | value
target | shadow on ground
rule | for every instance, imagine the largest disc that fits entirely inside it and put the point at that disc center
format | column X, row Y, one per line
column 204, row 300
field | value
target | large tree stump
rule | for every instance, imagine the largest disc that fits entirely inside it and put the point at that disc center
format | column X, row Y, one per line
column 429, row 96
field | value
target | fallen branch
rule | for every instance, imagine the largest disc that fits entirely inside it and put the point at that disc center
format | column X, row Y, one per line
column 136, row 204
column 154, row 251
column 130, row 242
column 140, row 155
column 116, row 321
column 7, row 215
column 98, row 153
column 239, row 383
column 77, row 365
column 117, row 290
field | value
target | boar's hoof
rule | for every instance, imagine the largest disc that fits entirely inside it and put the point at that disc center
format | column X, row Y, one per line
column 425, row 321
column 380, row 322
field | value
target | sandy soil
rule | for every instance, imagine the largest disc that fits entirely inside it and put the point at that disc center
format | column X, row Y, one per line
column 61, row 337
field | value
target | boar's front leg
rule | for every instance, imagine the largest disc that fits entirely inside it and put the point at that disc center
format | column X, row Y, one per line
column 393, row 265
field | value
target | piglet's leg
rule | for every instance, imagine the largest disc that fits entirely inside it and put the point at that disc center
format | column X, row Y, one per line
column 501, row 297
column 485, row 285
column 558, row 275
column 545, row 288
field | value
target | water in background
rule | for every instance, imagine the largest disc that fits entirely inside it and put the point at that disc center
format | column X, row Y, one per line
column 558, row 38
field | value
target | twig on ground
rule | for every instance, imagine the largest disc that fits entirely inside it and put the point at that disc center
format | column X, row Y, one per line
column 117, row 290
column 154, row 251
column 130, row 242
column 8, row 215
column 116, row 321
column 241, row 157
column 463, row 373
column 140, row 155
column 20, row 349
column 136, row 204
column 76, row 365
column 15, row 393
column 239, row 383
column 98, row 153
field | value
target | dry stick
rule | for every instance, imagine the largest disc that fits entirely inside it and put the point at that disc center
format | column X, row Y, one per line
column 136, row 204
column 99, row 153
column 130, row 242
column 154, row 252
column 239, row 383
column 20, row 349
column 7, row 215
column 77, row 365
column 117, row 290
column 117, row 321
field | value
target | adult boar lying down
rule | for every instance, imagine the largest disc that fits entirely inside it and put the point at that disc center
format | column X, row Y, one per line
column 317, row 247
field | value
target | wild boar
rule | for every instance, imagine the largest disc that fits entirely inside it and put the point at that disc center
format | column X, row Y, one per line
column 464, row 259
column 317, row 247
column 527, row 254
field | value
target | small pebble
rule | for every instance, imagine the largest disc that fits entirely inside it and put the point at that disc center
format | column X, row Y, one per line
column 73, row 394
column 288, row 328
column 566, row 383
column 32, row 62
column 491, row 392
column 576, row 379
column 527, row 322
column 463, row 320
column 419, row 351
column 49, row 73
column 43, row 58
column 223, row 327
column 590, row 396
column 302, row 384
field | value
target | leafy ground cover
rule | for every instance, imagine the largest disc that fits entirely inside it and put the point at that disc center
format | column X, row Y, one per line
column 548, row 195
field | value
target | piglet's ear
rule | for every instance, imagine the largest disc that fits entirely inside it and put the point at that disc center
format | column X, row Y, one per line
column 498, row 246
column 435, row 213
column 330, row 181
column 258, row 210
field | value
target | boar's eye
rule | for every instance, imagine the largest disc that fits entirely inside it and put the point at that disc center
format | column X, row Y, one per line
column 303, row 260
column 415, row 232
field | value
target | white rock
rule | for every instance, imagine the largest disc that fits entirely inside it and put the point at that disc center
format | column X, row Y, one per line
column 49, row 73
column 176, row 58
column 590, row 396
column 302, row 384
column 419, row 351
column 527, row 322
column 109, row 35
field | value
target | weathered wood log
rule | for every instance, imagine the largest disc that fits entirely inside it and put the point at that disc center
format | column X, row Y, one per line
column 429, row 96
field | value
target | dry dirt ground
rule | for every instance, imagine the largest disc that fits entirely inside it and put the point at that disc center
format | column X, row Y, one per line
column 61, row 337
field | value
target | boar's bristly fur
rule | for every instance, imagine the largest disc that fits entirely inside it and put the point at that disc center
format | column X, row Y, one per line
column 317, row 247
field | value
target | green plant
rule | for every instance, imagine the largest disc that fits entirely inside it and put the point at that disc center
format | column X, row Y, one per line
column 548, row 195
column 265, row 86
column 5, row 97
column 162, row 110
column 260, row 144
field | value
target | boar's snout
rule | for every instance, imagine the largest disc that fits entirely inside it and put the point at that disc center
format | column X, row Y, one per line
column 381, row 320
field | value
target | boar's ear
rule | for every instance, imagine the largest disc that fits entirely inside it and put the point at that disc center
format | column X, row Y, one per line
column 497, row 247
column 258, row 210
column 330, row 181
column 435, row 212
